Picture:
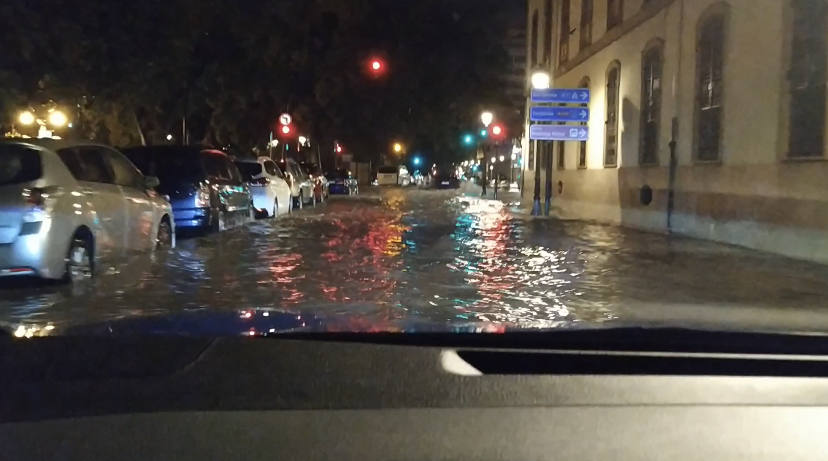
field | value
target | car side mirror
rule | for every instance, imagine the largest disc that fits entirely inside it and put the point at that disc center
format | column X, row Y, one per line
column 151, row 182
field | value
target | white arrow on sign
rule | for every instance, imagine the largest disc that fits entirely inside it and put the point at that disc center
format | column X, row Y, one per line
column 582, row 113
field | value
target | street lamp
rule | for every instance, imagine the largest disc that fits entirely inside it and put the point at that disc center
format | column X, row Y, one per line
column 169, row 137
column 26, row 117
column 540, row 80
column 502, row 158
column 494, row 159
column 487, row 118
column 398, row 147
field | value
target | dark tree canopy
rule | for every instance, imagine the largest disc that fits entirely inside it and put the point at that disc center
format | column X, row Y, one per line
column 129, row 71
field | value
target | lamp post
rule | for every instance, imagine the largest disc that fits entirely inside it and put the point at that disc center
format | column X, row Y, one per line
column 540, row 80
column 486, row 117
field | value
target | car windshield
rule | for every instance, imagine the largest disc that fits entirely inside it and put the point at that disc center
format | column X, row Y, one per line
column 18, row 164
column 531, row 165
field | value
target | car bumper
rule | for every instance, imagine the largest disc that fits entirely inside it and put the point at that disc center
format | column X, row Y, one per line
column 334, row 189
column 192, row 218
column 42, row 254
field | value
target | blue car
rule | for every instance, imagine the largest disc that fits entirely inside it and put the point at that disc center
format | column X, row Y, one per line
column 204, row 187
column 341, row 182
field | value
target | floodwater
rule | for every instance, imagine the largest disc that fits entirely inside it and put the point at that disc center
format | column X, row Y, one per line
column 398, row 257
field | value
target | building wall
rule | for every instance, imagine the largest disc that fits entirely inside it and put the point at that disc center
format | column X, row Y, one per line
column 755, row 195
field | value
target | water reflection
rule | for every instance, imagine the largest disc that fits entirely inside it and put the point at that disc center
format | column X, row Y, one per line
column 413, row 257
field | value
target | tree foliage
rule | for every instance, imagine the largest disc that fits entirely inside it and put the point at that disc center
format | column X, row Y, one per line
column 133, row 70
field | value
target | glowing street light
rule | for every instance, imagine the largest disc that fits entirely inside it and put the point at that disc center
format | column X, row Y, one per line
column 302, row 140
column 169, row 137
column 416, row 161
column 26, row 117
column 494, row 159
column 487, row 118
column 57, row 118
column 398, row 147
column 502, row 158
column 540, row 80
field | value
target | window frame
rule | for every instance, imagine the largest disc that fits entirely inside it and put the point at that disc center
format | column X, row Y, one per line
column 582, row 145
column 821, row 88
column 110, row 155
column 585, row 24
column 716, row 12
column 653, row 47
column 565, row 27
column 614, row 21
column 613, row 66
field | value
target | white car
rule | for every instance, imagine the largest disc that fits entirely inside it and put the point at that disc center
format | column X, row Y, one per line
column 271, row 193
column 301, row 187
column 67, row 206
column 387, row 176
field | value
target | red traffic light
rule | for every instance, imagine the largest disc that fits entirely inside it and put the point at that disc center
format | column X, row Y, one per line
column 498, row 132
column 376, row 66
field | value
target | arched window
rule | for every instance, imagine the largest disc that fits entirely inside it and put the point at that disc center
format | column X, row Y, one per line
column 611, row 131
column 533, row 43
column 651, row 62
column 582, row 147
column 710, row 45
column 807, row 76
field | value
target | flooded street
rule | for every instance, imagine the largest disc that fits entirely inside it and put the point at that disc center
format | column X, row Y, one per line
column 400, row 257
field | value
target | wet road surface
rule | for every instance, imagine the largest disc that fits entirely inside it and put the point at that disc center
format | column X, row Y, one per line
column 386, row 258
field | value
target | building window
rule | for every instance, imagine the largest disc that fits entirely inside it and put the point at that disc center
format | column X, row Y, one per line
column 615, row 11
column 547, row 31
column 586, row 24
column 611, row 131
column 563, row 42
column 560, row 155
column 709, row 86
column 582, row 146
column 533, row 44
column 807, row 77
column 650, row 103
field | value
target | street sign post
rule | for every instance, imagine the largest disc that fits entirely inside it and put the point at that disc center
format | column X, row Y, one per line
column 564, row 95
column 558, row 133
column 558, row 114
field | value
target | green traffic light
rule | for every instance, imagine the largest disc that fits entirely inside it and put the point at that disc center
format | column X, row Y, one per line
column 468, row 139
column 483, row 133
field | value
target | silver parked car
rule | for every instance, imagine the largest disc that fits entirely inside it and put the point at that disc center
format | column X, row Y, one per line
column 66, row 205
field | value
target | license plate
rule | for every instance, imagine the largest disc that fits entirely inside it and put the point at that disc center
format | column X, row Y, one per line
column 445, row 183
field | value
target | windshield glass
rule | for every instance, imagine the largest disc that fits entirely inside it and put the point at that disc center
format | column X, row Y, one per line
column 511, row 165
column 18, row 164
column 172, row 166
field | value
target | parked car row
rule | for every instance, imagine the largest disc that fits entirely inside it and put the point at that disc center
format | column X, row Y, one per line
column 66, row 205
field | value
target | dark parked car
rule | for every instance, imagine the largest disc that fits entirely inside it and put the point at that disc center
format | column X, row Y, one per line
column 342, row 182
column 204, row 186
column 445, row 177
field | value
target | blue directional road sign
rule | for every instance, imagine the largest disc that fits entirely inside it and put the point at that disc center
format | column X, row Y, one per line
column 559, row 114
column 576, row 95
column 558, row 133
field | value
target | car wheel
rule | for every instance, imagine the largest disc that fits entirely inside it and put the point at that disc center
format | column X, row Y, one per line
column 275, row 208
column 164, row 237
column 79, row 260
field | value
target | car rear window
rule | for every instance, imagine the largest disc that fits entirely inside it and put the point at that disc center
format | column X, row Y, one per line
column 249, row 169
column 170, row 165
column 19, row 164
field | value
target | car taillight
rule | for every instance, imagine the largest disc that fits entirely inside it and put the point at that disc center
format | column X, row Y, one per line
column 202, row 198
